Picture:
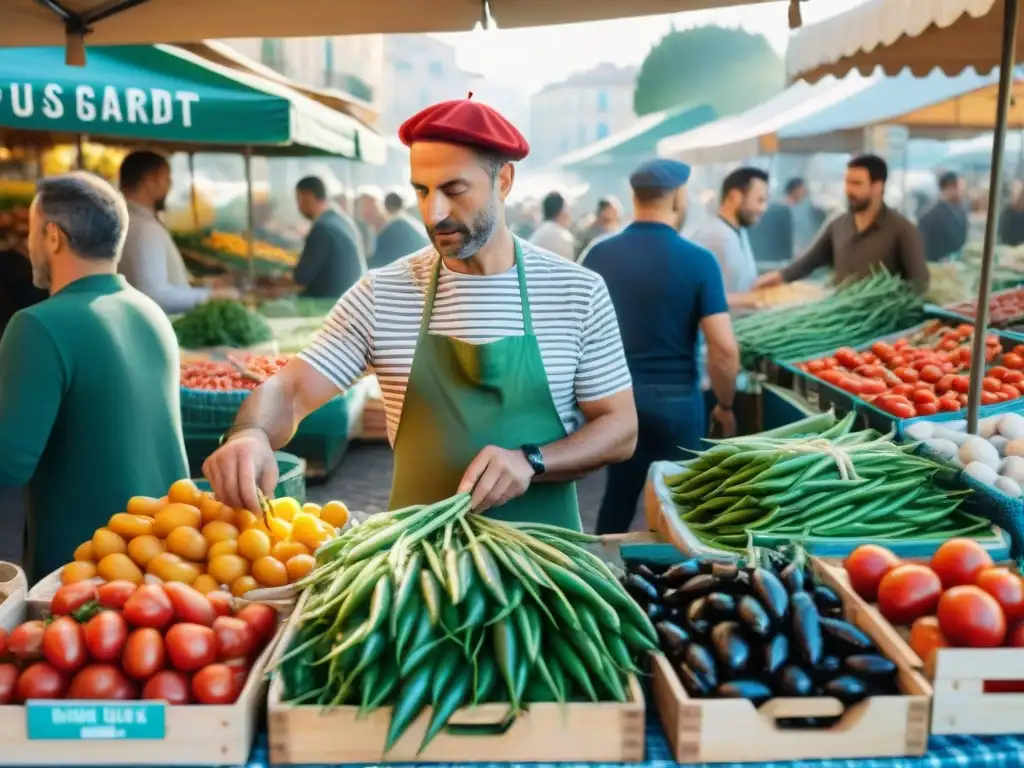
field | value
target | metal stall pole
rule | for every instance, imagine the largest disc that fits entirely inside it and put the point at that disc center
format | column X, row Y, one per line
column 192, row 193
column 250, row 208
column 1011, row 13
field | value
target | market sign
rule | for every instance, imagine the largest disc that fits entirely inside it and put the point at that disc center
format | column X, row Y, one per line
column 39, row 104
column 95, row 720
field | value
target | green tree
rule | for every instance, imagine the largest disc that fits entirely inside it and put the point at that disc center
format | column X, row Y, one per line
column 730, row 69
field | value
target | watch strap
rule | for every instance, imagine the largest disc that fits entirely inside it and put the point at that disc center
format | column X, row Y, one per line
column 535, row 458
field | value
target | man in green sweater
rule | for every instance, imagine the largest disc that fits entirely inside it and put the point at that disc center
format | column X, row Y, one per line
column 88, row 378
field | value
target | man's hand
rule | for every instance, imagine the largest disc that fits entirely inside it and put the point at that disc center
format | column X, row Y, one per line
column 724, row 419
column 225, row 292
column 769, row 279
column 237, row 467
column 495, row 476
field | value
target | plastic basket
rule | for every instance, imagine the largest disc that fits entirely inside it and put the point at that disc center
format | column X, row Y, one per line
column 291, row 480
column 216, row 410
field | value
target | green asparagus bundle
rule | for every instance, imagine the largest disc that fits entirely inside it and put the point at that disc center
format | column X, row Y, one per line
column 431, row 606
column 836, row 483
column 858, row 312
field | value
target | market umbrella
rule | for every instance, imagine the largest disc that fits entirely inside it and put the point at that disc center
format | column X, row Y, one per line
column 949, row 34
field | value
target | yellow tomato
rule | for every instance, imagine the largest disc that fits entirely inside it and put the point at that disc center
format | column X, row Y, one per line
column 270, row 572
column 77, row 571
column 129, row 526
column 280, row 529
column 205, row 584
column 335, row 513
column 306, row 530
column 227, row 569
column 106, row 542
column 188, row 543
column 311, row 509
column 286, row 550
column 185, row 492
column 227, row 547
column 142, row 549
column 176, row 515
column 169, row 567
column 117, row 567
column 211, row 510
column 145, row 505
column 300, row 566
column 243, row 584
column 285, row 508
column 84, row 552
column 218, row 531
column 253, row 544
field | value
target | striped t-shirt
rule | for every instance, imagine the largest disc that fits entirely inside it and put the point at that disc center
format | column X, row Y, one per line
column 374, row 326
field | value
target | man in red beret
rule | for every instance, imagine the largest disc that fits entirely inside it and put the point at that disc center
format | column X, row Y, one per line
column 500, row 363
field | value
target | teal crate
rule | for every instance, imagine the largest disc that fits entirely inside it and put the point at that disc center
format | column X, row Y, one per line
column 205, row 411
column 291, row 480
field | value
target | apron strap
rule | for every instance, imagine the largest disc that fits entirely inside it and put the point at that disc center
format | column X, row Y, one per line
column 435, row 273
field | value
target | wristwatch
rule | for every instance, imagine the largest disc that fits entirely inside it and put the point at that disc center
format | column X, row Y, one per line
column 535, row 458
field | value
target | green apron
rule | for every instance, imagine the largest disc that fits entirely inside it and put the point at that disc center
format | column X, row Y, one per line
column 462, row 397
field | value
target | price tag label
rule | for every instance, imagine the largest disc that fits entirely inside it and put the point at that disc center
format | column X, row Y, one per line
column 95, row 720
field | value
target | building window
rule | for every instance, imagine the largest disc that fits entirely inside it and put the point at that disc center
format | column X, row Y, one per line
column 436, row 69
column 602, row 101
column 602, row 130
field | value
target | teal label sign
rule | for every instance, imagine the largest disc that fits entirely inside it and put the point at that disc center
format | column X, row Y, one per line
column 95, row 720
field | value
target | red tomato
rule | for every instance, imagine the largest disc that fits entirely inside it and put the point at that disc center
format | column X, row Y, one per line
column 1011, row 392
column 899, row 409
column 870, row 371
column 832, row 376
column 215, row 684
column 223, row 603
column 872, row 387
column 908, row 592
column 949, row 404
column 931, row 373
column 8, row 683
column 926, row 637
column 991, row 384
column 143, row 653
column 71, row 597
column 815, row 366
column 262, row 619
column 882, row 349
column 927, row 409
column 100, row 681
column 961, row 384
column 866, row 566
column 1015, row 637
column 970, row 617
column 1008, row 590
column 105, row 636
column 908, row 375
column 191, row 646
column 26, row 641
column 990, row 398
column 234, row 637
column 114, row 594
column 189, row 605
column 1014, row 377
column 149, row 606
column 958, row 561
column 168, row 685
column 919, row 396
column 1013, row 360
column 903, row 389
column 64, row 644
column 850, row 384
column 41, row 681
column 998, row 372
column 830, row 362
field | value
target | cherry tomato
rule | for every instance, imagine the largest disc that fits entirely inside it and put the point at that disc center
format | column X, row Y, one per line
column 931, row 373
column 41, row 681
column 149, row 606
column 100, row 681
column 262, row 619
column 1008, row 590
column 990, row 398
column 923, row 396
column 958, row 561
column 908, row 375
column 961, row 384
column 1013, row 361
column 189, row 605
column 901, row 410
column 8, row 683
column 908, row 592
column 1014, row 377
column 927, row 409
column 1015, row 637
column 223, row 603
column 815, row 366
column 114, row 594
column 71, row 597
column 970, row 617
column 26, row 641
column 850, row 384
column 235, row 637
column 903, row 389
column 143, row 654
column 64, row 644
column 949, row 404
column 998, row 372
column 866, row 566
column 832, row 376
column 191, row 646
column 215, row 684
column 105, row 636
column 1011, row 392
column 991, row 384
column 883, row 350
column 872, row 387
column 168, row 685
column 926, row 637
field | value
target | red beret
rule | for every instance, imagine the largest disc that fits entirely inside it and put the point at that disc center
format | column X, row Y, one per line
column 464, row 121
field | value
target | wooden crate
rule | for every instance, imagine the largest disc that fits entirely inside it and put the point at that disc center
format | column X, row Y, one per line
column 959, row 676
column 548, row 733
column 193, row 735
column 733, row 730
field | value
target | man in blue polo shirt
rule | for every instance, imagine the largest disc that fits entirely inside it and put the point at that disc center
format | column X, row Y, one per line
column 665, row 290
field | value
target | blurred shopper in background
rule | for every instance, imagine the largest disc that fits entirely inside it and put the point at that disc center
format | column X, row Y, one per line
column 943, row 226
column 330, row 263
column 370, row 216
column 401, row 236
column 554, row 235
column 607, row 221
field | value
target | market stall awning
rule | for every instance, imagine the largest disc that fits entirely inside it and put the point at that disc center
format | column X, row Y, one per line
column 161, row 95
column 639, row 139
column 29, row 22
column 921, row 35
column 831, row 116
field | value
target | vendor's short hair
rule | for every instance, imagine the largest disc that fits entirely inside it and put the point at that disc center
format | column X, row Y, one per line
column 314, row 185
column 873, row 164
column 138, row 165
column 90, row 212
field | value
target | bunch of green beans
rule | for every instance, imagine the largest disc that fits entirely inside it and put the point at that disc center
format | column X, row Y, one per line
column 858, row 312
column 431, row 607
column 837, row 483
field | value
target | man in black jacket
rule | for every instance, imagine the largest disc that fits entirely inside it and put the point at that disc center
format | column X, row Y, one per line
column 330, row 263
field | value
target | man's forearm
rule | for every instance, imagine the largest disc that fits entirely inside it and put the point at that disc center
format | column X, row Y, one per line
column 722, row 370
column 270, row 409
column 608, row 439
